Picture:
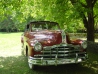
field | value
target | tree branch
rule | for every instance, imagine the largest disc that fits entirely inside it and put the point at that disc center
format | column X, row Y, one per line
column 85, row 21
column 95, row 15
column 93, row 2
column 84, row 5
column 73, row 1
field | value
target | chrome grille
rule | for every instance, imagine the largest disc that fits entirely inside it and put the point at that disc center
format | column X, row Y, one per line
column 60, row 52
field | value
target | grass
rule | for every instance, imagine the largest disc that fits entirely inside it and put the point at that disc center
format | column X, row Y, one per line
column 12, row 62
column 10, row 44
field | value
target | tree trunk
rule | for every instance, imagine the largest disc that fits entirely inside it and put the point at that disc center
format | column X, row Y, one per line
column 89, row 19
column 90, row 25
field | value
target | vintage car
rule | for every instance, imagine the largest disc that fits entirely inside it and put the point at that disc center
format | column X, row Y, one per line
column 44, row 43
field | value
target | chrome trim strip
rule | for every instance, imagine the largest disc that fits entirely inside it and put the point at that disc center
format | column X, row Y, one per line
column 63, row 36
column 56, row 61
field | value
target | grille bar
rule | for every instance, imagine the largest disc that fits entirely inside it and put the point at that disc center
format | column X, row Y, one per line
column 60, row 52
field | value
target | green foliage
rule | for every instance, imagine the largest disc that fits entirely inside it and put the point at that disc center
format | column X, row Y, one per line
column 20, row 12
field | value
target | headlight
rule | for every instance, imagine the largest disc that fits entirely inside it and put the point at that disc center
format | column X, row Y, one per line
column 84, row 44
column 37, row 46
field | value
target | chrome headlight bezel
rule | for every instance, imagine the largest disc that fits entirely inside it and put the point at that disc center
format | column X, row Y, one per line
column 84, row 44
column 37, row 46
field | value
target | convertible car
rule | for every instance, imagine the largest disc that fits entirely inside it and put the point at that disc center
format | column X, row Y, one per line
column 44, row 43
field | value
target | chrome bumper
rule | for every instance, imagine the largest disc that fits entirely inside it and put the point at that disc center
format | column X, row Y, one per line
column 57, row 61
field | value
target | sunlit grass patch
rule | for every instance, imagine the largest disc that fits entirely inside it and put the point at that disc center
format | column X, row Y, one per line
column 10, row 44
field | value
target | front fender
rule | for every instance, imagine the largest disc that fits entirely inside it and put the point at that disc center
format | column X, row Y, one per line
column 77, row 42
column 31, row 44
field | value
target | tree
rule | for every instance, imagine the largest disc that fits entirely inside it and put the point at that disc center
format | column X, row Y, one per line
column 67, row 13
column 62, row 11
column 13, row 13
column 56, row 10
column 87, row 15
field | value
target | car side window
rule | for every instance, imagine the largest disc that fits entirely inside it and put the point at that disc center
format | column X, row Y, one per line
column 33, row 27
column 27, row 27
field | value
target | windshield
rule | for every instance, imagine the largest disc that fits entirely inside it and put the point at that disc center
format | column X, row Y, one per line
column 45, row 26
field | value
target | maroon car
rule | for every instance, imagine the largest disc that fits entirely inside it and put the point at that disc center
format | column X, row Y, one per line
column 46, row 44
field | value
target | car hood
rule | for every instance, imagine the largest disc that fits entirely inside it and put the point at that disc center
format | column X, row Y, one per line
column 47, row 38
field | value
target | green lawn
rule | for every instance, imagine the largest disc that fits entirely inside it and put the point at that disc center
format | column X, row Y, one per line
column 10, row 44
column 11, row 61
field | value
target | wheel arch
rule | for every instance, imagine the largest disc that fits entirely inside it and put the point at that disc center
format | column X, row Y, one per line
column 26, row 50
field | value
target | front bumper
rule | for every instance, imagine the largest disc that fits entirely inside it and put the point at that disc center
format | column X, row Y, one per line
column 57, row 61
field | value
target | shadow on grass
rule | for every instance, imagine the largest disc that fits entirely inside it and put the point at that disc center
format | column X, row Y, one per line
column 67, row 69
column 18, row 65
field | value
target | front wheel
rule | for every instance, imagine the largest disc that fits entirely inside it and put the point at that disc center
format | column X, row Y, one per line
column 31, row 65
